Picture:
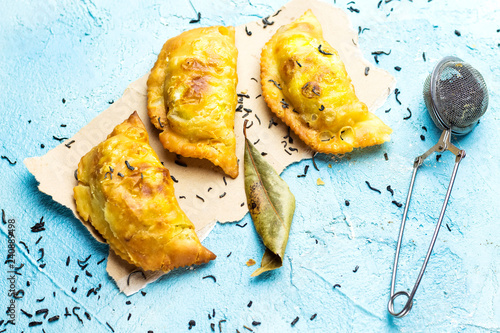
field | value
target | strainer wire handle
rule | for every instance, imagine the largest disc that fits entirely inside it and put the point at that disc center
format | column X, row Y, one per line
column 443, row 145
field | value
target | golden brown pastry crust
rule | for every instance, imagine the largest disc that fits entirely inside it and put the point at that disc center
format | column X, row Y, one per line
column 192, row 95
column 305, row 83
column 136, row 210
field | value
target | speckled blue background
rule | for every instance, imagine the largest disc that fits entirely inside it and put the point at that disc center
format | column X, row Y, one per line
column 86, row 52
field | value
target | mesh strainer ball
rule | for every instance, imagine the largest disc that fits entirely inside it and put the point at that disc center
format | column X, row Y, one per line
column 455, row 95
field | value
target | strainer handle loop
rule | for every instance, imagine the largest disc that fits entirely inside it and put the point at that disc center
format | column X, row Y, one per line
column 443, row 145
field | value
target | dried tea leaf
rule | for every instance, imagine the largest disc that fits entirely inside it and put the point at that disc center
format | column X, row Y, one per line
column 271, row 205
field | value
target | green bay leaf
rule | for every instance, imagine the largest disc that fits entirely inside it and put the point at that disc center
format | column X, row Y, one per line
column 271, row 205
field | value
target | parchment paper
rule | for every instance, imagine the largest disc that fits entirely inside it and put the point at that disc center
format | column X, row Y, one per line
column 55, row 170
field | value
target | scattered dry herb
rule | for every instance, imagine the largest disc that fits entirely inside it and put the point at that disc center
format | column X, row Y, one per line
column 390, row 190
column 266, row 22
column 322, row 51
column 180, row 163
column 42, row 251
column 8, row 160
column 68, row 145
column 45, row 312
column 210, row 277
column 372, row 188
column 38, row 227
column 276, row 84
column 409, row 116
column 314, row 162
column 129, row 166
column 258, row 119
column 272, row 123
column 26, row 313
column 111, row 328
column 397, row 203
column 220, row 325
column 396, row 93
column 25, row 246
column 52, row 319
column 196, row 20
column 142, row 273
column 58, row 139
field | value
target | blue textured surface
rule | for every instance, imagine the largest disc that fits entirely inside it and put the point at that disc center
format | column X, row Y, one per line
column 87, row 52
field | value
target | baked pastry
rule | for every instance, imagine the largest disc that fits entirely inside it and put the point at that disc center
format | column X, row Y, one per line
column 305, row 83
column 128, row 196
column 192, row 95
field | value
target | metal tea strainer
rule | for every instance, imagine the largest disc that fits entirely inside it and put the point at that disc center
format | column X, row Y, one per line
column 456, row 97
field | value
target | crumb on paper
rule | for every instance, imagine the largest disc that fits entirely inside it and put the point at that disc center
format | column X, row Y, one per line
column 251, row 262
column 319, row 182
column 330, row 166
